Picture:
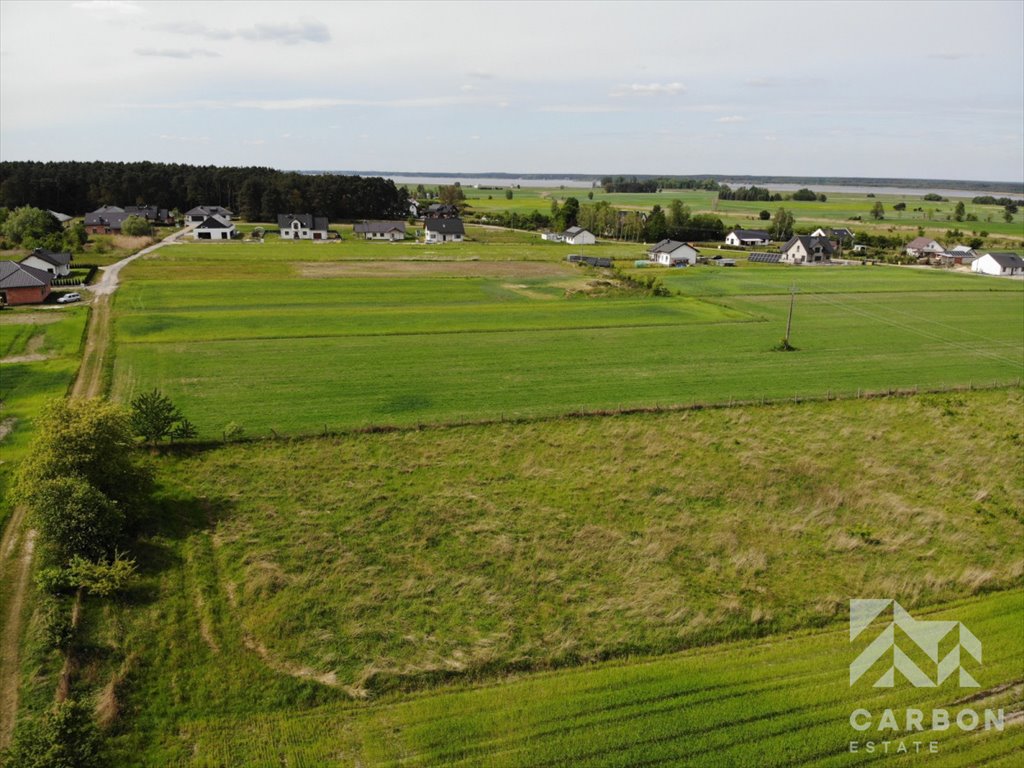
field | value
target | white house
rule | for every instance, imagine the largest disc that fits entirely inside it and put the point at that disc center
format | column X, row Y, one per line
column 201, row 213
column 747, row 237
column 214, row 228
column 924, row 246
column 578, row 236
column 807, row 249
column 1000, row 264
column 302, row 226
column 836, row 235
column 57, row 264
column 555, row 237
column 672, row 253
column 443, row 231
column 381, row 230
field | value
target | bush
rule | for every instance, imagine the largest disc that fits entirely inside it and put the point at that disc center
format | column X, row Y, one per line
column 66, row 737
column 102, row 578
column 136, row 226
column 74, row 518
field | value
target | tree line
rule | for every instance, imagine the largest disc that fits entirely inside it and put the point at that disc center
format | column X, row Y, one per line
column 254, row 193
column 633, row 184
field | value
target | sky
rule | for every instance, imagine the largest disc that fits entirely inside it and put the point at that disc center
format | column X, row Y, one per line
column 860, row 89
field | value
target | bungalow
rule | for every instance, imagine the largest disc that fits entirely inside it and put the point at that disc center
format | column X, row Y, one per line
column 302, row 226
column 578, row 236
column 57, row 264
column 381, row 230
column 672, row 253
column 838, row 236
column 105, row 220
column 443, row 231
column 807, row 249
column 1000, row 264
column 214, row 228
column 924, row 246
column 201, row 213
column 21, row 284
column 150, row 213
column 555, row 237
column 747, row 237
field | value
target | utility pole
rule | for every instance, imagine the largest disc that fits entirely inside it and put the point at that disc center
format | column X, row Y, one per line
column 789, row 320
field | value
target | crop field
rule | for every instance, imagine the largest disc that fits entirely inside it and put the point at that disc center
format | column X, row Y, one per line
column 481, row 337
column 837, row 210
column 498, row 595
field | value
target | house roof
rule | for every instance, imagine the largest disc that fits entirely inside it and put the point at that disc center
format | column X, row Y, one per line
column 573, row 231
column 208, row 210
column 306, row 220
column 50, row 257
column 750, row 233
column 444, row 226
column 212, row 222
column 369, row 227
column 1006, row 260
column 103, row 218
column 961, row 249
column 921, row 242
column 63, row 218
column 810, row 242
column 667, row 246
column 15, row 275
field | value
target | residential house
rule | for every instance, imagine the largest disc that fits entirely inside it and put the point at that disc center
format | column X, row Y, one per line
column 381, row 230
column 21, row 284
column 838, row 235
column 807, row 249
column 63, row 218
column 578, row 236
column 443, row 230
column 924, row 246
column 201, row 213
column 302, row 226
column 747, row 237
column 150, row 213
column 672, row 253
column 214, row 228
column 105, row 220
column 554, row 237
column 441, row 211
column 57, row 264
column 1001, row 264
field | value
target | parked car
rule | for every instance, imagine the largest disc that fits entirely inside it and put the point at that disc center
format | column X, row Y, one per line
column 67, row 298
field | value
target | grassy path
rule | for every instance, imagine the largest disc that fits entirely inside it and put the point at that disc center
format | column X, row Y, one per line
column 15, row 565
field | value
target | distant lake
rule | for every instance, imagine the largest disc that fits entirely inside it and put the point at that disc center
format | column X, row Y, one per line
column 472, row 181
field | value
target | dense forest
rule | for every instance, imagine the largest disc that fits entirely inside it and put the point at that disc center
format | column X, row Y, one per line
column 255, row 194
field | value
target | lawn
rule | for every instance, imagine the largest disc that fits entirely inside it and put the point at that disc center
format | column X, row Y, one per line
column 408, row 341
column 439, row 577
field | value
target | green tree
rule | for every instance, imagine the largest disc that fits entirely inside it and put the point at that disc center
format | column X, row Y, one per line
column 782, row 225
column 508, row 194
column 91, row 439
column 656, row 228
column 75, row 237
column 959, row 211
column 678, row 215
column 154, row 416
column 570, row 212
column 877, row 211
column 73, row 518
column 136, row 226
column 451, row 194
column 30, row 226
column 1007, row 215
column 900, row 207
column 764, row 215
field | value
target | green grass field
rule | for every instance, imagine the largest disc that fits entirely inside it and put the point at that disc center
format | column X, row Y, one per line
column 406, row 598
column 42, row 350
column 480, row 337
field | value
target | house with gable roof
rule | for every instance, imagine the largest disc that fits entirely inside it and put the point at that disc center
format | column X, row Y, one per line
column 57, row 264
column 22, row 284
column 380, row 230
column 302, row 226
column 807, row 249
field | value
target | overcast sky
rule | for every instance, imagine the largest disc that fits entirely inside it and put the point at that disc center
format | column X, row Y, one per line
column 917, row 89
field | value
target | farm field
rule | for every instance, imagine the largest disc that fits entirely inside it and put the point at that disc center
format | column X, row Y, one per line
column 404, row 342
column 406, row 596
column 837, row 210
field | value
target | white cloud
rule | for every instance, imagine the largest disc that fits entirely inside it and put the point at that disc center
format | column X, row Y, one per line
column 108, row 6
column 253, row 142
column 650, row 89
column 184, row 139
column 177, row 53
column 580, row 108
column 733, row 119
column 288, row 34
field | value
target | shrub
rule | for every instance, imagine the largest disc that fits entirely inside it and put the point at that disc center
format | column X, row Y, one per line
column 136, row 226
column 66, row 737
column 74, row 518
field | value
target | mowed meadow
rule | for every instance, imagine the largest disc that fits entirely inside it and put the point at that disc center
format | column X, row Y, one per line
column 500, row 594
column 346, row 335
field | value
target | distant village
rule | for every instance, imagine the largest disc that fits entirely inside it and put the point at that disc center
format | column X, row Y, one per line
column 32, row 279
